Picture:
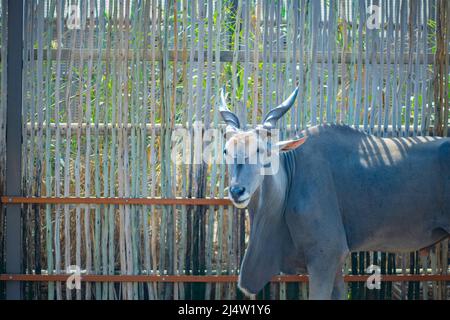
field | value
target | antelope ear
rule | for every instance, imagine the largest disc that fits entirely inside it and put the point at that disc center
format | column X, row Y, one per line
column 229, row 117
column 291, row 144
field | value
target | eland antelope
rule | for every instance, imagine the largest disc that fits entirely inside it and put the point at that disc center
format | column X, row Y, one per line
column 335, row 190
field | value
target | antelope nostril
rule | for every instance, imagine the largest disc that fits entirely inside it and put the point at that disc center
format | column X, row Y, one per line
column 237, row 191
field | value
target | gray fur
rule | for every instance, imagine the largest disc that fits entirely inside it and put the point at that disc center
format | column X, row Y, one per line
column 342, row 191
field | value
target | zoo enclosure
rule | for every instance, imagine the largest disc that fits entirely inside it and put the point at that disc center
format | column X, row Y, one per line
column 105, row 85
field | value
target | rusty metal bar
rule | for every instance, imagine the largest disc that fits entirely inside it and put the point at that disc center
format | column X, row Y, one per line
column 116, row 201
column 210, row 278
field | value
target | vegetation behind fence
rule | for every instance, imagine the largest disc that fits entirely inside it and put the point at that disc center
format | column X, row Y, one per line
column 106, row 83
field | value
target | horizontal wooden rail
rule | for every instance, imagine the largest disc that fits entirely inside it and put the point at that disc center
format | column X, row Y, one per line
column 208, row 278
column 107, row 127
column 117, row 201
column 224, row 56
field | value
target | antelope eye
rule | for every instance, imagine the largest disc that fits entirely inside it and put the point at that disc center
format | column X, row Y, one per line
column 225, row 151
column 257, row 150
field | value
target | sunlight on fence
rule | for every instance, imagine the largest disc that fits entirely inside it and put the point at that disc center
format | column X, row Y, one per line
column 107, row 82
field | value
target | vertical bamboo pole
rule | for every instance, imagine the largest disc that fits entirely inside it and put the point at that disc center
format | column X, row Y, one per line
column 107, row 212
column 153, row 156
column 321, row 35
column 417, row 69
column 113, row 149
column 162, row 83
column 189, row 222
column 270, row 76
column 67, row 159
column 396, row 23
column 127, row 116
column 183, row 167
column 433, row 263
column 234, row 66
column 367, row 67
column 200, row 168
column 302, row 106
column 246, row 31
column 358, row 92
column 145, row 180
column 387, row 99
column 335, row 65
column 28, row 149
column 96, row 153
column 39, row 148
column 126, row 150
column 344, row 95
column 218, row 28
column 411, row 47
column 99, row 232
column 424, row 50
column 134, row 34
column 210, row 221
column 402, row 65
column 122, row 151
column 331, row 36
column 166, row 218
column 31, row 223
column 373, row 112
column 172, row 113
column 446, row 22
column 87, row 156
column 352, row 12
column 78, row 152
column 256, row 41
column 291, row 45
column 57, row 171
column 315, row 14
column 265, row 55
column 439, row 67
column 425, row 285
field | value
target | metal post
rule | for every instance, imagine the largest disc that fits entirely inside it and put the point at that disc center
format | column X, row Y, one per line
column 14, row 145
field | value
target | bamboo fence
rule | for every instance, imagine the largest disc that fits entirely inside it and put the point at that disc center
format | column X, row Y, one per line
column 106, row 83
